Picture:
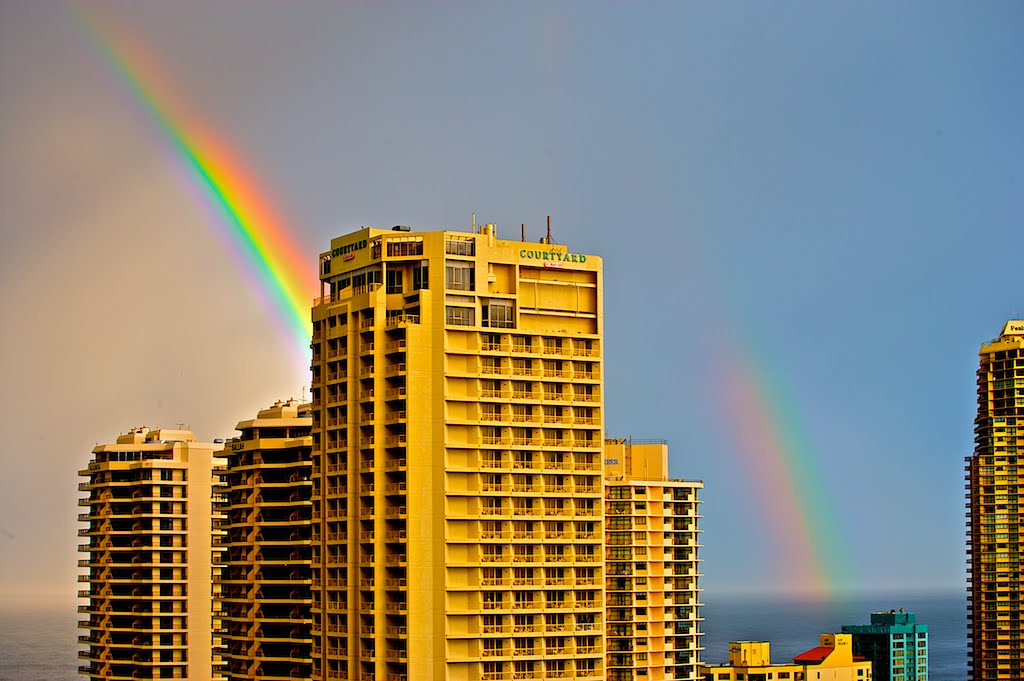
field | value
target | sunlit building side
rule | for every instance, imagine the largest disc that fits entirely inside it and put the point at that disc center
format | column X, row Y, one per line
column 457, row 437
column 150, row 523
column 651, row 565
column 994, row 516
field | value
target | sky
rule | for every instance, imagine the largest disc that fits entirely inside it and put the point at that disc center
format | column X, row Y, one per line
column 809, row 215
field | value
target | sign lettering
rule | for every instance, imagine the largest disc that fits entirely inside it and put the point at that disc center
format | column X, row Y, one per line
column 551, row 256
column 348, row 248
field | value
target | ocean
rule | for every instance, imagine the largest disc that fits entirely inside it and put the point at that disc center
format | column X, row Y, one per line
column 793, row 626
column 39, row 637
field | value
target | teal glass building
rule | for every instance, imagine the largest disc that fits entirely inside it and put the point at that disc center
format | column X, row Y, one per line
column 895, row 643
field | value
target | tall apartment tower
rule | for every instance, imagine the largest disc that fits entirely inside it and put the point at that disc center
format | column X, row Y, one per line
column 151, row 521
column 994, row 516
column 457, row 436
column 267, row 574
column 651, row 564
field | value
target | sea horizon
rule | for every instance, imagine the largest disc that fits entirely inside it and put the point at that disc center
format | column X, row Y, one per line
column 39, row 632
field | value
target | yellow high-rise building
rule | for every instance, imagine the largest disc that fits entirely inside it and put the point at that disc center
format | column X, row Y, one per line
column 457, row 437
column 994, row 516
column 652, row 565
column 151, row 523
column 267, row 574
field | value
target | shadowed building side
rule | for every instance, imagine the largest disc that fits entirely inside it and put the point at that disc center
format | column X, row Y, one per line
column 267, row 579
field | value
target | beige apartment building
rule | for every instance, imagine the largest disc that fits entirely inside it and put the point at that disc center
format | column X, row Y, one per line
column 267, row 575
column 651, row 564
column 150, row 523
column 457, row 473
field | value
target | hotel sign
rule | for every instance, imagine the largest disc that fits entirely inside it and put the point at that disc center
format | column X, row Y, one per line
column 1014, row 327
column 348, row 249
column 553, row 258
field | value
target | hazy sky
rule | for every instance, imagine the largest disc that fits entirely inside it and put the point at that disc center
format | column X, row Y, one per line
column 824, row 195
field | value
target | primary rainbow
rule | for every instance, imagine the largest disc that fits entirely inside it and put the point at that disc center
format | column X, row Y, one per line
column 784, row 474
column 280, row 274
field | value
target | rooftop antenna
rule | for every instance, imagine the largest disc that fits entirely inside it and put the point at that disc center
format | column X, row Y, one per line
column 523, row 237
column 549, row 231
column 303, row 394
column 474, row 222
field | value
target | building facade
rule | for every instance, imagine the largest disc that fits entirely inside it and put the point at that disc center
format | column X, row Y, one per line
column 651, row 564
column 267, row 577
column 457, row 437
column 894, row 643
column 994, row 515
column 831, row 660
column 150, row 527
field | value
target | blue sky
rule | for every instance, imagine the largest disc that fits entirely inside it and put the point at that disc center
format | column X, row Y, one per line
column 832, row 188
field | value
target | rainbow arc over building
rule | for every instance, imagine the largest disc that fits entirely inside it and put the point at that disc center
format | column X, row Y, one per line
column 276, row 268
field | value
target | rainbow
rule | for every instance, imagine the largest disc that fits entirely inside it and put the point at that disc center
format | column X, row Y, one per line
column 280, row 274
column 784, row 474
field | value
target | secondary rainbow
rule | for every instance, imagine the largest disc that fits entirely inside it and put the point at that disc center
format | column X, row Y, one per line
column 278, row 271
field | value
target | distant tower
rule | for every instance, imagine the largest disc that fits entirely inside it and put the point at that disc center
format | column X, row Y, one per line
column 994, row 516
column 651, row 565
column 150, row 557
column 896, row 645
column 266, row 581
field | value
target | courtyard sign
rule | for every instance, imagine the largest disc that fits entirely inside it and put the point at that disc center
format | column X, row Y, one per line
column 551, row 256
column 348, row 248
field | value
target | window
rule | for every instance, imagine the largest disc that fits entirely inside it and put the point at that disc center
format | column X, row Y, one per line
column 420, row 276
column 498, row 314
column 459, row 276
column 394, row 284
column 522, row 344
column 398, row 248
column 460, row 247
column 459, row 316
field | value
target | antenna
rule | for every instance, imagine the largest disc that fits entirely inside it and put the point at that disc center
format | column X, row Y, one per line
column 474, row 222
column 549, row 231
column 523, row 237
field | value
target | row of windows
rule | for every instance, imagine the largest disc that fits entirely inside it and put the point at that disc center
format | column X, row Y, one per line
column 495, row 314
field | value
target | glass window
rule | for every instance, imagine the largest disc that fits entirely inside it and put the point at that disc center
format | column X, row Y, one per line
column 460, row 246
column 498, row 314
column 394, row 281
column 459, row 276
column 459, row 316
column 420, row 276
